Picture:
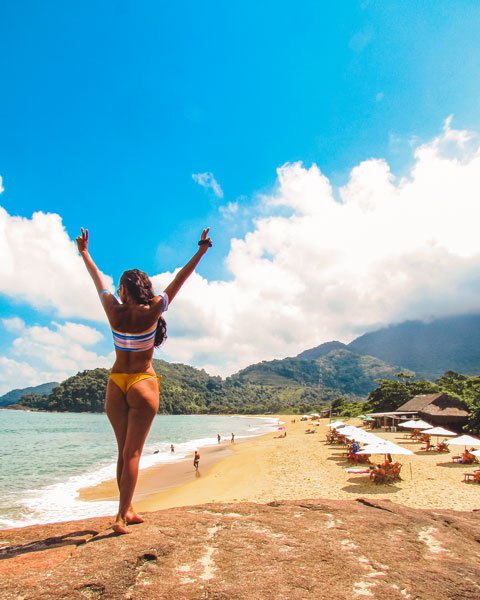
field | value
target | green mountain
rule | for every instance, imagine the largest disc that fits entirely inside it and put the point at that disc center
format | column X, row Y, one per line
column 186, row 390
column 336, row 371
column 14, row 396
column 303, row 383
column 428, row 349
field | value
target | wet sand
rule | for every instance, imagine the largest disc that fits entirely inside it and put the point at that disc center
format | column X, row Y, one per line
column 299, row 466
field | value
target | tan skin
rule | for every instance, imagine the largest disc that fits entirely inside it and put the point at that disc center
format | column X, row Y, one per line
column 132, row 414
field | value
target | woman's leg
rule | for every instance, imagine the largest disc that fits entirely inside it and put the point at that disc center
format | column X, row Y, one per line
column 142, row 400
column 116, row 408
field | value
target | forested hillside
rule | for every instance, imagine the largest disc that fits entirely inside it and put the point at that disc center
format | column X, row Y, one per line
column 331, row 371
column 428, row 349
column 338, row 370
column 13, row 396
column 185, row 390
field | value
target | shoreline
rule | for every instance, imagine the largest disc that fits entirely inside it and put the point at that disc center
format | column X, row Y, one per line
column 160, row 477
column 172, row 474
column 269, row 468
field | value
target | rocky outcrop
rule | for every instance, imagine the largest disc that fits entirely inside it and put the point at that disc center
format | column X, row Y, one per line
column 284, row 550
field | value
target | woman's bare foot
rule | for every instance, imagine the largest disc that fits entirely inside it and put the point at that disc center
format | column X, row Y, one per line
column 132, row 518
column 120, row 526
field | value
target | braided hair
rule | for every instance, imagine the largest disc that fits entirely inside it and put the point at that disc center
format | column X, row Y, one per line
column 140, row 288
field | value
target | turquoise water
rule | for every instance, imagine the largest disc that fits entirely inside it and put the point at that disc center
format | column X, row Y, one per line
column 45, row 458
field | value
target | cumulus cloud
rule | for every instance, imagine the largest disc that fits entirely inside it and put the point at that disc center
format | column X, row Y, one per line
column 41, row 267
column 13, row 324
column 334, row 264
column 208, row 181
column 39, row 354
column 318, row 264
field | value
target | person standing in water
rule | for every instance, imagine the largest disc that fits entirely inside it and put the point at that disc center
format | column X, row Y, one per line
column 132, row 396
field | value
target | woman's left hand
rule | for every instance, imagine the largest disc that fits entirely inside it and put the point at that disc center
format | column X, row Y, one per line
column 205, row 242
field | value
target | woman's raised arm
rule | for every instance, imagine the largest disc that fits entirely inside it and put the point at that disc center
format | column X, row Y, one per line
column 203, row 245
column 95, row 274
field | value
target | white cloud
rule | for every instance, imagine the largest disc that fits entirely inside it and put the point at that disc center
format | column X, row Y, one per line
column 208, row 181
column 318, row 264
column 41, row 354
column 62, row 349
column 13, row 324
column 230, row 211
column 41, row 267
column 2, row 189
column 16, row 374
column 389, row 250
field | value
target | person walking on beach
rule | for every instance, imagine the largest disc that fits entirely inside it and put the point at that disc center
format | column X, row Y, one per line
column 233, row 438
column 196, row 460
column 172, row 448
column 218, row 438
column 132, row 396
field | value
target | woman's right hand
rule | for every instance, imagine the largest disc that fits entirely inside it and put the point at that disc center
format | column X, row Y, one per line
column 205, row 242
column 82, row 241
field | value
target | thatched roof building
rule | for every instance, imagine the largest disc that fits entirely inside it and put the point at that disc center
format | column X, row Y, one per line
column 438, row 409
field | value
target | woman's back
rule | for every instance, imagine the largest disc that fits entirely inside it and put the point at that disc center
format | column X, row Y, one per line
column 133, row 318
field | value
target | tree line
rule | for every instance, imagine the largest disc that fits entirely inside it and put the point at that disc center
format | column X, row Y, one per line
column 185, row 390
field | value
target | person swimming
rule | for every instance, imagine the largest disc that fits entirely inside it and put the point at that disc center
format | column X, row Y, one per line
column 132, row 396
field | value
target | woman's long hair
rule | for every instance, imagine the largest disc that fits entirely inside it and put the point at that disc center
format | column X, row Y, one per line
column 140, row 288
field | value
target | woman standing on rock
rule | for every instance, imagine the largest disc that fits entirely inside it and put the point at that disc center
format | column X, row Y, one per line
column 132, row 396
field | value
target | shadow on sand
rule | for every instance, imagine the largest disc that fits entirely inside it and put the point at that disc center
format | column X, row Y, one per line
column 365, row 486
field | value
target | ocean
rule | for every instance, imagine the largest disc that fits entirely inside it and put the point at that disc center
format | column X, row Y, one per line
column 45, row 458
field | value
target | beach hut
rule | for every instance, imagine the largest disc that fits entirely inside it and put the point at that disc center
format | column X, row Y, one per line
column 440, row 409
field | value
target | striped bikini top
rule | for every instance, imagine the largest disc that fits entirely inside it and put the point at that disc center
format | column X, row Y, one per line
column 138, row 342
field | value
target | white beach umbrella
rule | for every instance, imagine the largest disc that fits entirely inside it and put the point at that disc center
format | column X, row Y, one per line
column 439, row 431
column 369, row 438
column 336, row 424
column 385, row 447
column 359, row 435
column 416, row 424
column 464, row 440
column 348, row 429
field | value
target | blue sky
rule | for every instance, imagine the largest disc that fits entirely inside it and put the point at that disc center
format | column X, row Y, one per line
column 108, row 109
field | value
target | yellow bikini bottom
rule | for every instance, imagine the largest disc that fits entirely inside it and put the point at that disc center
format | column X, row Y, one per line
column 125, row 380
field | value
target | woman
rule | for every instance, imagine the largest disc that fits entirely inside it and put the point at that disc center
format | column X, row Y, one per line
column 132, row 396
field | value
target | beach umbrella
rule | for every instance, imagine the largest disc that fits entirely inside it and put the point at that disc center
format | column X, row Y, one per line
column 416, row 424
column 368, row 438
column 360, row 435
column 336, row 424
column 464, row 440
column 384, row 447
column 476, row 452
column 439, row 431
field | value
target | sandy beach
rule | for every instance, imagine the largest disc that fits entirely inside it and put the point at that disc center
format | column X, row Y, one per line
column 298, row 466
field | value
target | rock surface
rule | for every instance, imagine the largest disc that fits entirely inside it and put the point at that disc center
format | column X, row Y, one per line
column 283, row 550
